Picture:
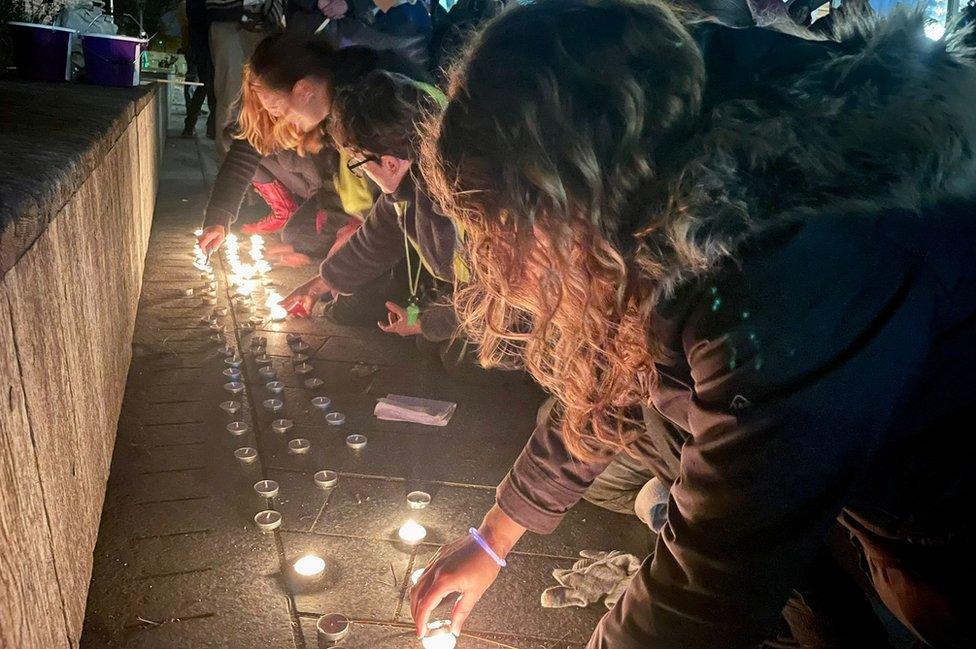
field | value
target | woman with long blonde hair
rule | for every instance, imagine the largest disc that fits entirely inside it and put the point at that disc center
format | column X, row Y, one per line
column 288, row 83
column 767, row 241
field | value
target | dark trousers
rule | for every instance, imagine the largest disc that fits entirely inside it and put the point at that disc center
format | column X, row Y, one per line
column 204, row 73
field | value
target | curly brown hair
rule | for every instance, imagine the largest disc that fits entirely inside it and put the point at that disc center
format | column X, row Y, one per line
column 550, row 153
column 381, row 115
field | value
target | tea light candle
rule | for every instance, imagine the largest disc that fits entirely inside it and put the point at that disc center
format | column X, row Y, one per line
column 356, row 442
column 310, row 565
column 274, row 405
column 275, row 387
column 246, row 454
column 262, row 358
column 247, row 326
column 230, row 406
column 439, row 636
column 298, row 358
column 292, row 338
column 326, row 479
column 232, row 373
column 266, row 488
column 221, row 310
column 300, row 346
column 418, row 499
column 268, row 520
column 237, row 428
column 256, row 320
column 278, row 313
column 234, row 361
column 412, row 532
column 299, row 446
column 335, row 419
column 303, row 368
column 234, row 387
column 281, row 425
column 331, row 629
column 322, row 403
column 313, row 383
column 267, row 372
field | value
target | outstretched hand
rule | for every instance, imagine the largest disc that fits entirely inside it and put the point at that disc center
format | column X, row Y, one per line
column 397, row 321
column 300, row 301
column 211, row 238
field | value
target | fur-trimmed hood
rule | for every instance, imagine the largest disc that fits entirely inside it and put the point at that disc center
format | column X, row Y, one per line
column 882, row 117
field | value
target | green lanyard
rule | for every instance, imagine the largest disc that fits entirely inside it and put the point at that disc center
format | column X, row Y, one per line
column 413, row 279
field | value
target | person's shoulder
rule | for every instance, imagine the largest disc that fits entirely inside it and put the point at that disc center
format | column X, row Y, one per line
column 794, row 302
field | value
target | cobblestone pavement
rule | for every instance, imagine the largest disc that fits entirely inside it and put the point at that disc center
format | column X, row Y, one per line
column 180, row 561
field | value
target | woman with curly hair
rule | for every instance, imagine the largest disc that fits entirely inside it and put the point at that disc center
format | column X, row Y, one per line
column 767, row 241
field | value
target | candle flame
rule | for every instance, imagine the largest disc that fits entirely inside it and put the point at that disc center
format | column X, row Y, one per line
column 310, row 565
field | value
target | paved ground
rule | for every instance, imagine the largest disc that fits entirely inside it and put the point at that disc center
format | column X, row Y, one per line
column 180, row 562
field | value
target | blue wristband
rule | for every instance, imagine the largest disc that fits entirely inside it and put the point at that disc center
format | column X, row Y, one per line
column 487, row 548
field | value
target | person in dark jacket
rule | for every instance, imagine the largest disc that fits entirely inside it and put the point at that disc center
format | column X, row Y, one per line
column 376, row 120
column 768, row 241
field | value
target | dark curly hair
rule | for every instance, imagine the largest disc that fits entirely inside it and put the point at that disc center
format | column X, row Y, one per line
column 560, row 117
column 381, row 115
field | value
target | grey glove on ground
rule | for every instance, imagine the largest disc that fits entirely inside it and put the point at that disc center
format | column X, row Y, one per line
column 597, row 575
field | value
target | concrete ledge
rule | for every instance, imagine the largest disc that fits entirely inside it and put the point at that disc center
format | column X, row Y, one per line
column 78, row 170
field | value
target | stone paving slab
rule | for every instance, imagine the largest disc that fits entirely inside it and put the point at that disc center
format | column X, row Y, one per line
column 180, row 562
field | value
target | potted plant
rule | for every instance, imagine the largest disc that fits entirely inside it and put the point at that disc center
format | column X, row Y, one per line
column 41, row 51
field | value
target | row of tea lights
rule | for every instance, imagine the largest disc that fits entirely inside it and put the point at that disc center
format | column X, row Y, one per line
column 309, row 569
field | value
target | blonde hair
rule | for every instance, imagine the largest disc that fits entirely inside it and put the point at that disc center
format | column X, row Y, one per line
column 266, row 133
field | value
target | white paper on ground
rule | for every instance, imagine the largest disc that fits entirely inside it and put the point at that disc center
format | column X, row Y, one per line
column 396, row 407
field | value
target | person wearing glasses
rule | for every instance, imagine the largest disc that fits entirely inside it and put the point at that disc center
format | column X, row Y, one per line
column 282, row 150
column 376, row 122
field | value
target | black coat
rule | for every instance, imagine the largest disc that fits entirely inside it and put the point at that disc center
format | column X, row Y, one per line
column 817, row 324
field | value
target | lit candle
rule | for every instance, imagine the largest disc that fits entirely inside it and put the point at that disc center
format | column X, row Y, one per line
column 439, row 636
column 310, row 565
column 412, row 532
column 416, row 575
column 331, row 629
column 278, row 313
column 266, row 488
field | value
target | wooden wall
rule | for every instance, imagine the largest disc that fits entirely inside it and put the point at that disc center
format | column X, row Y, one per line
column 67, row 310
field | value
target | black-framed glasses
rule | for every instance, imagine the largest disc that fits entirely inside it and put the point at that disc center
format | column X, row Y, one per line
column 354, row 167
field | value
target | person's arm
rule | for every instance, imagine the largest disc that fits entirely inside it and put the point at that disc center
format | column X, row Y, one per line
column 544, row 484
column 375, row 248
column 233, row 178
column 796, row 379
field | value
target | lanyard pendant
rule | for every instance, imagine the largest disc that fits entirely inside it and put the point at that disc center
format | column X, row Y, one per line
column 413, row 313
